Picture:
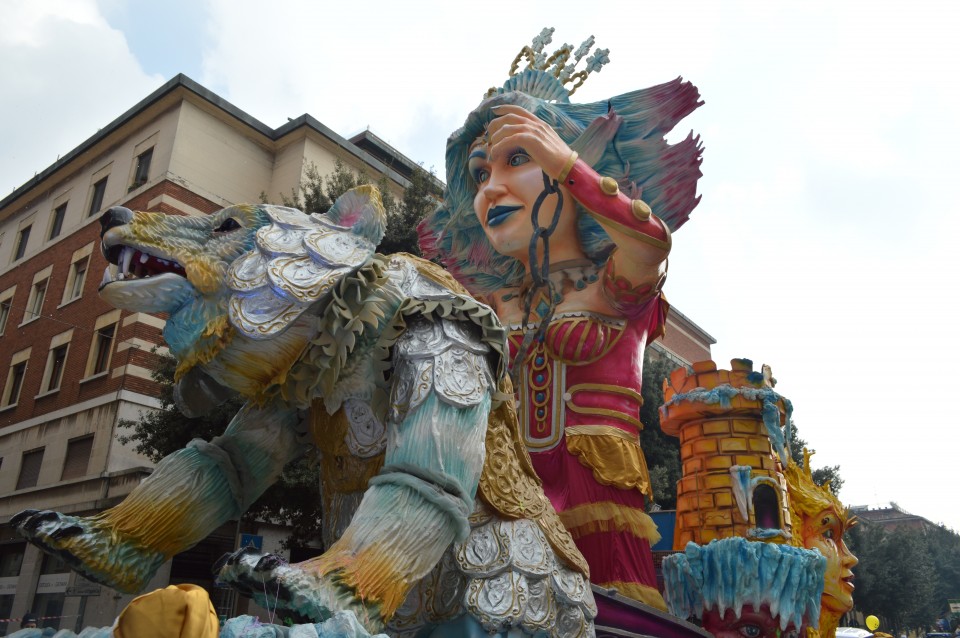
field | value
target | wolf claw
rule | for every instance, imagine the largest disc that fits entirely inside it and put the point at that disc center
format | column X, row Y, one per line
column 88, row 549
column 275, row 584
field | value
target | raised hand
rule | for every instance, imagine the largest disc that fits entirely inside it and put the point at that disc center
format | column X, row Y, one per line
column 515, row 127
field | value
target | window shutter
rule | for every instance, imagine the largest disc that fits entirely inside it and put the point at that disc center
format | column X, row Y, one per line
column 30, row 469
column 78, row 457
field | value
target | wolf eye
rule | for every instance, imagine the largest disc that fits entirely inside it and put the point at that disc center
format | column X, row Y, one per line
column 229, row 224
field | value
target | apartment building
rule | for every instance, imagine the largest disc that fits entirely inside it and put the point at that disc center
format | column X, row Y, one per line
column 72, row 368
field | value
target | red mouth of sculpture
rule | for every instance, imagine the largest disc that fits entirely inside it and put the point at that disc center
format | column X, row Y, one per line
column 136, row 264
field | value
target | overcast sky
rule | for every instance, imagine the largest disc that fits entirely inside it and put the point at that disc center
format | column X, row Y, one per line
column 825, row 242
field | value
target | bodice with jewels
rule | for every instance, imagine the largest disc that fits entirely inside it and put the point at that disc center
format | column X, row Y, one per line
column 586, row 372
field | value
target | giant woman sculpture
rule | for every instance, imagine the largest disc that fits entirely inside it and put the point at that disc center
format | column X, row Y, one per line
column 559, row 216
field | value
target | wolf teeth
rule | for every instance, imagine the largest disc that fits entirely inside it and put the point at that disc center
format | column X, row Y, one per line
column 107, row 277
column 126, row 256
column 144, row 258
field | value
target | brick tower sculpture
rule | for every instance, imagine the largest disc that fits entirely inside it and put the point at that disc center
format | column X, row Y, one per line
column 730, row 426
column 738, row 571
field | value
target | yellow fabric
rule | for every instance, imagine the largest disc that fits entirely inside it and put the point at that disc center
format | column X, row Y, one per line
column 644, row 593
column 179, row 611
column 605, row 516
column 613, row 459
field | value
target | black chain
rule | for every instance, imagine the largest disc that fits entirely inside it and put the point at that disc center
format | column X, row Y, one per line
column 539, row 275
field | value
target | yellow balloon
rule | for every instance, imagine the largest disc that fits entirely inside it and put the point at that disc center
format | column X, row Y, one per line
column 872, row 623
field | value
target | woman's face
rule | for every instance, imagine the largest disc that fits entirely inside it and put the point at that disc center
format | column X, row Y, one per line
column 508, row 185
column 824, row 532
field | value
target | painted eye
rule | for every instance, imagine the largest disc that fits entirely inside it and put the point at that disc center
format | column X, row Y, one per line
column 228, row 225
column 750, row 631
column 481, row 176
column 519, row 159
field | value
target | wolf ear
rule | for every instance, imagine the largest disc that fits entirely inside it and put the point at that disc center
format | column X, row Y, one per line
column 361, row 210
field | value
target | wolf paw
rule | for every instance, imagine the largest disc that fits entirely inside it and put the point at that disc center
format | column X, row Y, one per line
column 273, row 583
column 89, row 548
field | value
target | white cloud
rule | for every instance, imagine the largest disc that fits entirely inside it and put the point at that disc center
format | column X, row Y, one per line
column 65, row 73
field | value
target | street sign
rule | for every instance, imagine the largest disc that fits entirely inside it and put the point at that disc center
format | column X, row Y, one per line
column 251, row 540
column 83, row 587
column 954, row 606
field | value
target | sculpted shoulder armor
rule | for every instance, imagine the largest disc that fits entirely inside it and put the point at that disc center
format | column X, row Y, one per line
column 441, row 355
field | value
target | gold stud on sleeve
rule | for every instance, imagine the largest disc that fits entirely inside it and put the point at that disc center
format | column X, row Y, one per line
column 641, row 210
column 609, row 186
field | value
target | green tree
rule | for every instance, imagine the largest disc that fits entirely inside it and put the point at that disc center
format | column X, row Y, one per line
column 661, row 450
column 317, row 194
column 895, row 576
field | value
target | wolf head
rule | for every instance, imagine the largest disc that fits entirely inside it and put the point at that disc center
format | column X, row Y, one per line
column 249, row 270
column 160, row 262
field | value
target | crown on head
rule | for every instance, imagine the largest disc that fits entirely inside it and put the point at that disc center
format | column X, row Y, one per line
column 548, row 77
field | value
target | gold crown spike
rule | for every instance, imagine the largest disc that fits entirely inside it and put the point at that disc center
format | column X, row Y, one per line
column 558, row 64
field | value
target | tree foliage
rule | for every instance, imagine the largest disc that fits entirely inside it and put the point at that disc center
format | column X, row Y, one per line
column 317, row 194
column 661, row 450
column 905, row 576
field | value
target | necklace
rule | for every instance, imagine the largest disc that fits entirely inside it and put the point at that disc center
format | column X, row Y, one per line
column 577, row 273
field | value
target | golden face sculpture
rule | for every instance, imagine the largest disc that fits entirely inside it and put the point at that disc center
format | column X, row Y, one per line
column 824, row 532
column 820, row 521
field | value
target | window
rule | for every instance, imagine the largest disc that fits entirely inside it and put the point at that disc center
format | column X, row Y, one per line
column 6, row 606
column 96, row 197
column 4, row 314
column 104, row 346
column 78, row 457
column 48, row 601
column 11, row 558
column 56, row 224
column 22, row 238
column 77, row 277
column 6, row 303
column 55, row 363
column 18, row 370
column 30, row 469
column 14, row 383
column 35, row 303
column 142, row 168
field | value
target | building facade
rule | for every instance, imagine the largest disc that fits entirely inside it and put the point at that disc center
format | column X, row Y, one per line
column 72, row 368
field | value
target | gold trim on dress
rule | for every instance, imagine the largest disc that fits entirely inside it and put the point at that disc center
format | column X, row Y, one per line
column 607, row 412
column 606, row 516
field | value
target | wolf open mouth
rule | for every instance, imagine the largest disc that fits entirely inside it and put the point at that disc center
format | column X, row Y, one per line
column 133, row 263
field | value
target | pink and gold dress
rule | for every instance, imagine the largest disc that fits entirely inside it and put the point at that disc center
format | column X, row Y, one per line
column 579, row 403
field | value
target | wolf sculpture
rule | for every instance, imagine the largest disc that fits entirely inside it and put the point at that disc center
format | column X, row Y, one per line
column 385, row 364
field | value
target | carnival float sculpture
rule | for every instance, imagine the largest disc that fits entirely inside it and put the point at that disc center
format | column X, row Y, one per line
column 475, row 476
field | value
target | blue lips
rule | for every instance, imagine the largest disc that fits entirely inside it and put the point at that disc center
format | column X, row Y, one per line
column 499, row 214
